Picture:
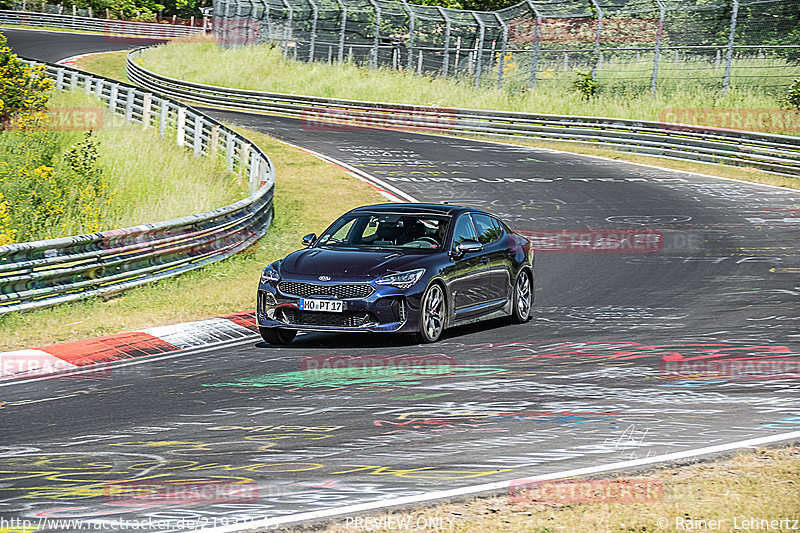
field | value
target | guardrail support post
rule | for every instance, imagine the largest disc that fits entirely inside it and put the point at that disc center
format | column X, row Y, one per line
column 181, row 126
column 60, row 79
column 726, row 80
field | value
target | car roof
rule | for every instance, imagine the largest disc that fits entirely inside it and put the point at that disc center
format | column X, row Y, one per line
column 426, row 209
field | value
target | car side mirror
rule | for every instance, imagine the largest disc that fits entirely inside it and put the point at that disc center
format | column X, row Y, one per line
column 468, row 245
column 309, row 239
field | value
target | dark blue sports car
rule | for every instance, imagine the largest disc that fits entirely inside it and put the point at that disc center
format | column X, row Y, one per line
column 407, row 268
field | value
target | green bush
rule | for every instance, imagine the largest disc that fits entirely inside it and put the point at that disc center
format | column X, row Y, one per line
column 792, row 98
column 586, row 85
column 23, row 89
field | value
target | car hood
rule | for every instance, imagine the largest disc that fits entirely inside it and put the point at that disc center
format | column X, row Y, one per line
column 349, row 264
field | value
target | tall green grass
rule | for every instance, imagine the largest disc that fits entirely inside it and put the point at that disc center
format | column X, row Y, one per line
column 137, row 176
column 263, row 67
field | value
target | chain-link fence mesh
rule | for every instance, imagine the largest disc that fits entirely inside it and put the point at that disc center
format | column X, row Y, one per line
column 627, row 45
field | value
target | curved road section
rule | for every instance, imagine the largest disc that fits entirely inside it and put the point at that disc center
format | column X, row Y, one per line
column 665, row 322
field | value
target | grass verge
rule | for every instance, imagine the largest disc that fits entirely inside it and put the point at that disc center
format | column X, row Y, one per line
column 728, row 495
column 264, row 68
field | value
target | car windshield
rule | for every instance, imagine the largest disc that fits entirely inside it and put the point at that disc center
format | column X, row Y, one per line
column 387, row 230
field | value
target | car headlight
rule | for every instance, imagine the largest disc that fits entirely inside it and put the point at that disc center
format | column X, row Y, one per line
column 402, row 280
column 270, row 274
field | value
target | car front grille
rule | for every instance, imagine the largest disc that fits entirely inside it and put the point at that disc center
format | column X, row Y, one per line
column 340, row 291
column 335, row 320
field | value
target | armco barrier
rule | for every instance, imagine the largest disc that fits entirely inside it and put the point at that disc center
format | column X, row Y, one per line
column 779, row 154
column 106, row 26
column 44, row 273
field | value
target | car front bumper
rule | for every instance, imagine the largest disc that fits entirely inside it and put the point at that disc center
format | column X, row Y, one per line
column 386, row 310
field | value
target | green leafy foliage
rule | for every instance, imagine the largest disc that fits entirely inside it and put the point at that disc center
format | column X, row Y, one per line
column 22, row 88
column 586, row 85
column 792, row 98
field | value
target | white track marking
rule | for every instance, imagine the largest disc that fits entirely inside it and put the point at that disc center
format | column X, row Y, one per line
column 500, row 485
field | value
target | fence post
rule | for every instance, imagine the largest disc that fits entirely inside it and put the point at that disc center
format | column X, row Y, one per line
column 373, row 63
column 129, row 105
column 162, row 123
column 537, row 37
column 315, row 9
column 112, row 100
column 147, row 103
column 446, row 51
column 726, row 80
column 287, row 29
column 479, row 49
column 244, row 159
column 502, row 58
column 181, row 133
column 410, row 43
column 212, row 149
column 198, row 135
column 657, row 49
column 229, row 150
column 598, row 30
column 60, row 79
column 342, row 29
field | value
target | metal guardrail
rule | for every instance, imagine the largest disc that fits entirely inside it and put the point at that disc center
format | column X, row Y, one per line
column 107, row 26
column 779, row 154
column 45, row 273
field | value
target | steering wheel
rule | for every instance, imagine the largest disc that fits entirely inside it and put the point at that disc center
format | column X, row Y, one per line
column 429, row 240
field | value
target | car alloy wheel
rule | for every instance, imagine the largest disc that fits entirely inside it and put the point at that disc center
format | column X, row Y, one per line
column 522, row 298
column 432, row 314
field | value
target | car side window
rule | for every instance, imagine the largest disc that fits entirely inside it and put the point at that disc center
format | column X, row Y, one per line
column 487, row 228
column 463, row 230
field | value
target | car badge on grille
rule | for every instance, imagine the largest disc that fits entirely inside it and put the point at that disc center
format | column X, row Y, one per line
column 324, row 278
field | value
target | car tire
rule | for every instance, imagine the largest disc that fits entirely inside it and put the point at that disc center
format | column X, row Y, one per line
column 523, row 298
column 277, row 335
column 432, row 314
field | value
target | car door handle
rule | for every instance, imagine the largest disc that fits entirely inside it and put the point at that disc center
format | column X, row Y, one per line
column 484, row 259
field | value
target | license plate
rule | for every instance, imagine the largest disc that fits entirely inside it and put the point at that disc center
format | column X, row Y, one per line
column 330, row 306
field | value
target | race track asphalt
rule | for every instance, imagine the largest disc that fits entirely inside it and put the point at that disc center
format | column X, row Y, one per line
column 616, row 365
